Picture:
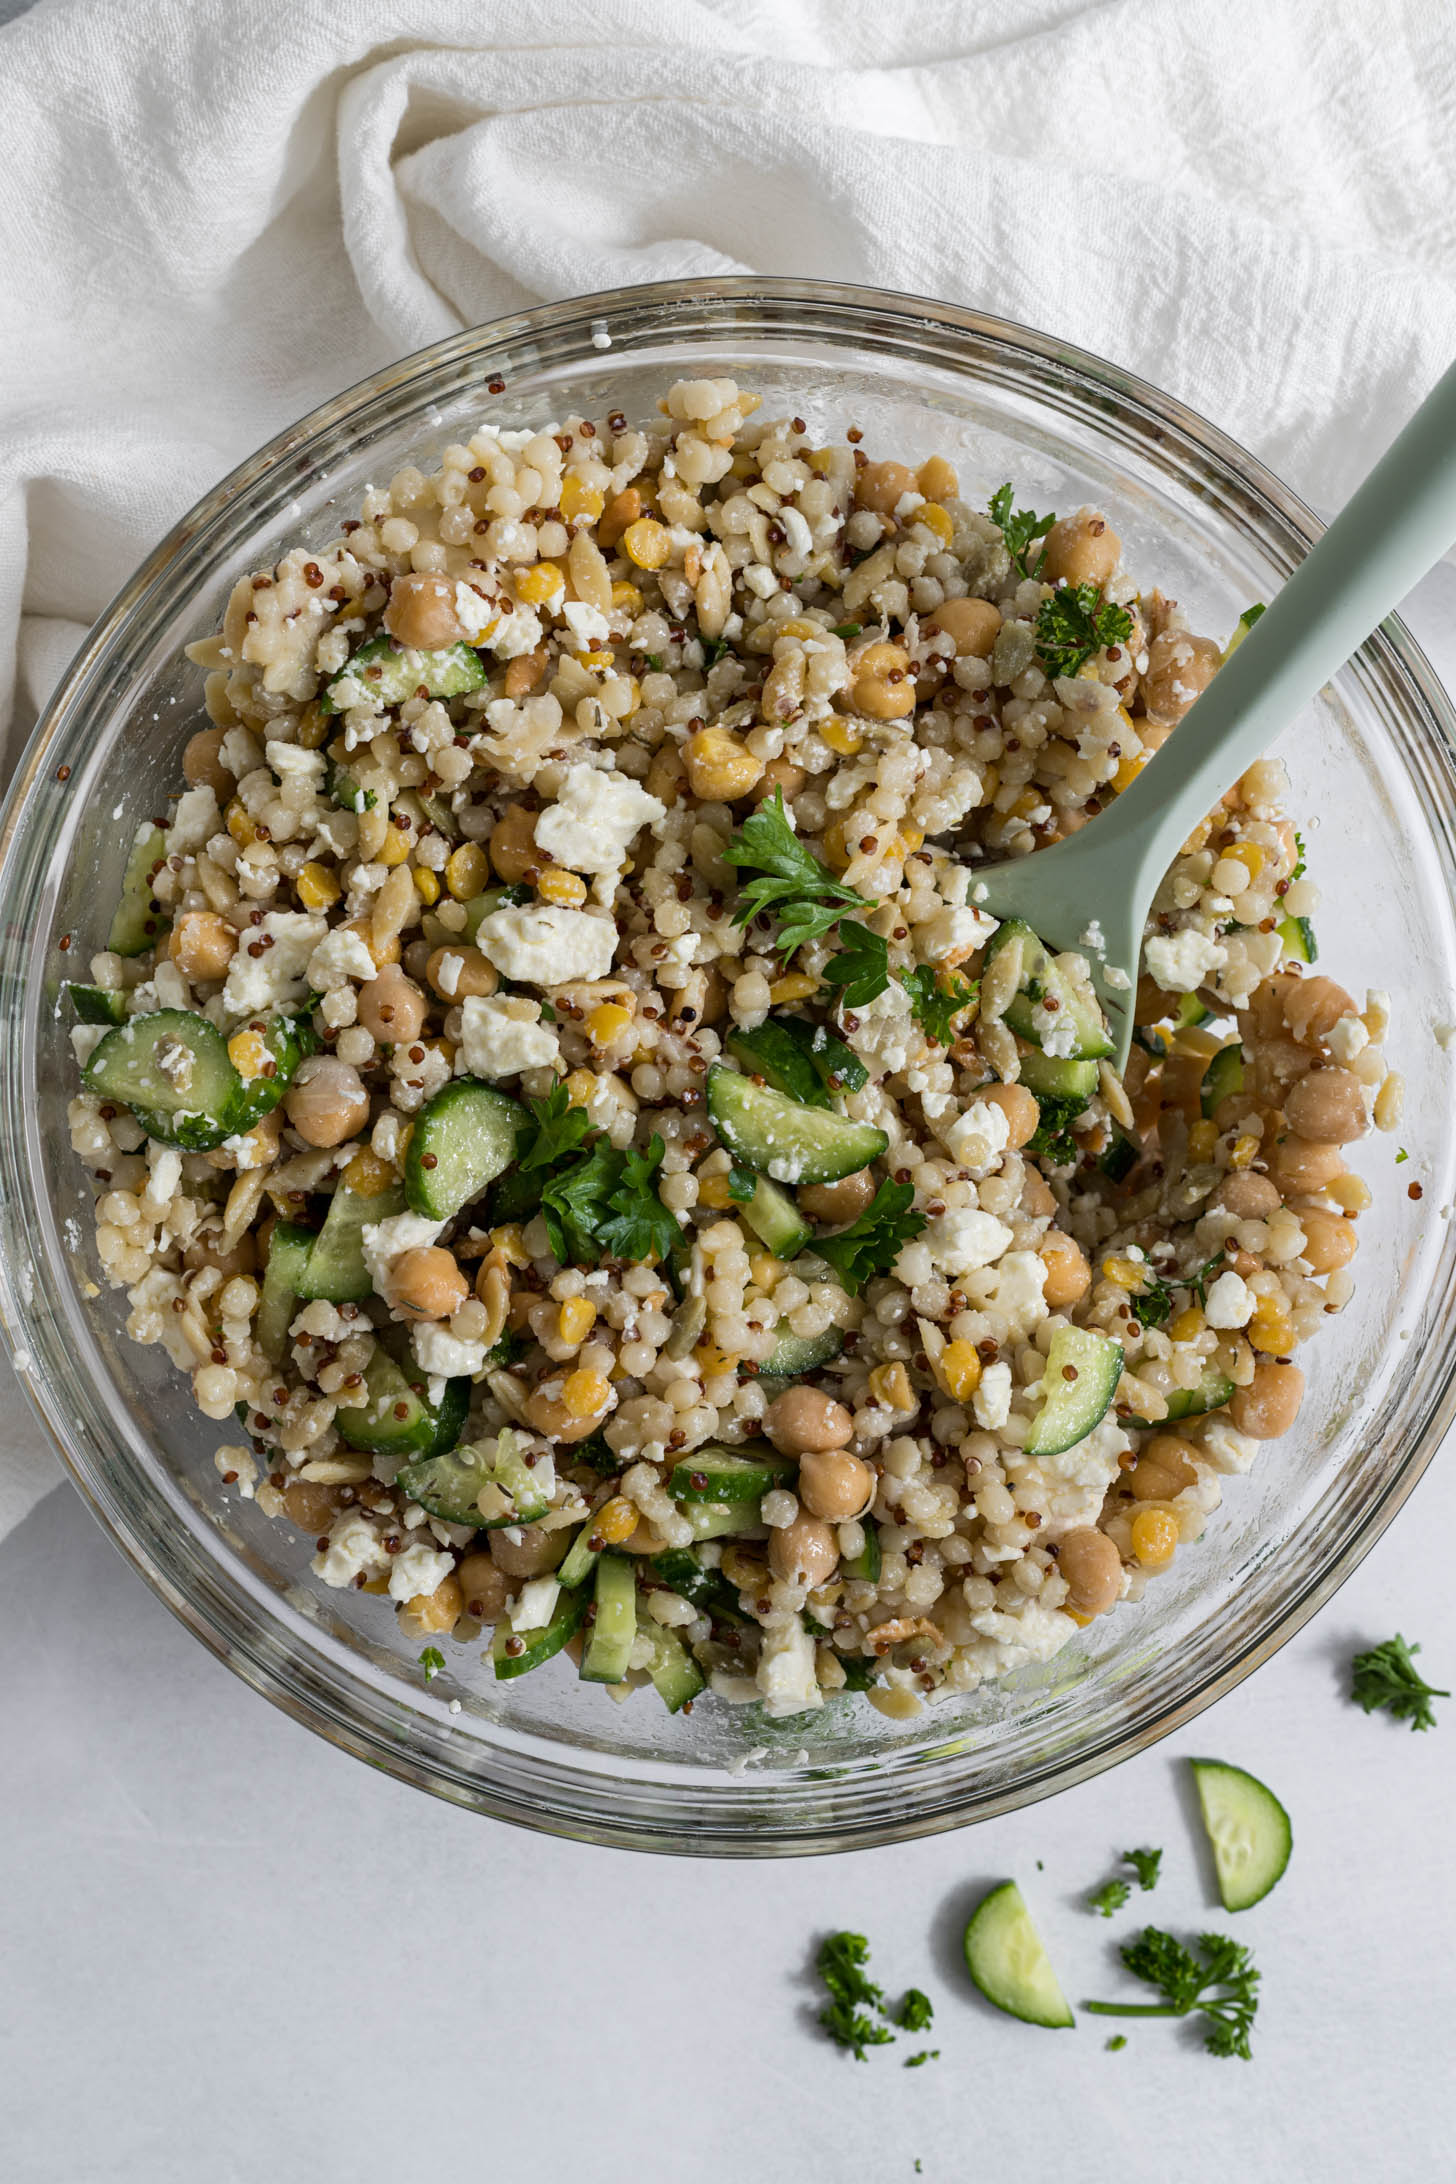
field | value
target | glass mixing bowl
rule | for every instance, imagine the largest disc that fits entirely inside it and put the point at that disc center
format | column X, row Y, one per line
column 1373, row 785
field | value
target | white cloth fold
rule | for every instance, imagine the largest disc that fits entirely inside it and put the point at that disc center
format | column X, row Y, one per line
column 216, row 216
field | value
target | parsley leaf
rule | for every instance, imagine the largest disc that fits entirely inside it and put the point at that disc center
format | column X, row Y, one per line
column 1073, row 624
column 432, row 1660
column 576, row 1202
column 1118, row 2040
column 1401, row 1155
column 871, row 1244
column 641, row 1226
column 861, row 967
column 742, row 1184
column 841, row 1962
column 713, row 649
column 655, row 661
column 1153, row 1303
column 1186, row 1984
column 1387, row 1677
column 1145, row 1864
column 1109, row 1898
column 915, row 2011
column 1298, row 872
column 846, row 629
column 1052, row 1139
column 553, row 1129
column 1019, row 528
column 806, row 897
column 935, row 1004
column 926, row 2055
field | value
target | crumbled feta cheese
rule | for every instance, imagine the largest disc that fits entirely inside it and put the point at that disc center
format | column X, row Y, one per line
column 595, row 818
column 502, row 1034
column 992, row 1399
column 292, row 760
column 418, row 1569
column 1224, row 1446
column 1091, row 936
column 277, row 977
column 1055, row 1029
column 800, row 537
column 965, row 1239
column 588, row 625
column 1014, row 1287
column 785, row 1675
column 339, row 956
column 545, row 946
column 443, row 1355
column 1179, row 962
column 953, row 935
column 976, row 1137
column 536, row 1604
column 85, row 1039
column 241, row 752
column 382, row 1242
column 1230, row 1302
column 194, row 822
column 515, row 634
column 1347, row 1038
column 355, row 1547
column 447, row 977
column 1116, row 978
column 475, row 614
column 886, row 1034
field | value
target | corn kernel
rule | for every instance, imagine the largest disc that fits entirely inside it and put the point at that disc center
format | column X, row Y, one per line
column 714, row 1193
column 247, row 1051
column 720, row 768
column 890, row 1385
column 1201, row 1140
column 367, row 1175
column 581, row 1087
column 908, row 840
column 1154, row 1536
column 836, row 844
column 580, row 502
column 743, row 1568
column 821, row 461
column 936, row 519
column 797, row 986
column 626, row 599
column 510, row 1241
column 764, row 1270
column 1027, row 802
column 467, row 871
column 316, row 888
column 542, row 581
column 1244, row 1150
column 715, row 1361
column 1076, row 1616
column 1249, row 855
column 616, row 1520
column 445, row 1048
column 402, row 1145
column 378, row 1584
column 239, row 825
column 566, row 889
column 585, row 1393
column 798, row 625
column 959, row 1370
column 1272, row 1328
column 396, row 847
column 607, row 1023
column 575, row 1320
column 1186, row 1326
column 427, row 885
column 1126, row 1273
column 1127, row 773
column 647, row 543
column 598, row 661
column 841, row 735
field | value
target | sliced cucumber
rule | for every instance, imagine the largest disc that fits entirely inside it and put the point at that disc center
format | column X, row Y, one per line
column 537, row 1646
column 720, row 1520
column 393, row 673
column 1213, row 1391
column 395, row 1418
column 1190, row 1012
column 1080, row 1380
column 463, row 1139
column 1044, row 977
column 336, row 1268
column 137, row 922
column 1006, row 1959
column 784, row 1139
column 794, row 1355
column 676, row 1676
column 1242, row 627
column 288, row 1252
column 289, row 1039
column 682, row 1572
column 1050, row 1077
column 1120, row 1157
column 732, row 1475
column 839, row 1067
column 1300, row 945
column 195, row 1101
column 776, row 1220
column 614, row 1625
column 97, row 1005
column 487, row 1484
column 1223, row 1077
column 345, row 790
column 478, row 908
column 1248, row 1830
column 772, row 1052
column 580, row 1558
column 866, row 1565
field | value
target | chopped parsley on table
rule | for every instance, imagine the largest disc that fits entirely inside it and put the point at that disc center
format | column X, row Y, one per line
column 841, row 1965
column 915, row 2011
column 1110, row 1897
column 1387, row 1678
column 1224, row 1986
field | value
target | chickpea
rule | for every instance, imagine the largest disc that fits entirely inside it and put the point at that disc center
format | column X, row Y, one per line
column 202, row 945
column 530, row 1555
column 1180, row 669
column 1068, row 1275
column 206, row 1250
column 1269, row 1405
column 720, row 768
column 882, row 486
column 936, row 479
column 425, row 1615
column 883, row 685
column 781, row 773
column 471, row 973
column 1165, row 1467
column 202, row 764
column 391, row 1007
column 327, row 1101
column 1247, row 1196
column 1329, row 1239
column 421, row 612
column 310, row 1506
column 1297, row 1164
column 841, row 1202
column 513, row 852
column 665, row 776
column 1329, row 1106
column 1018, row 1106
column 1092, row 1568
column 804, row 1418
column 549, row 1414
column 1082, row 549
column 1313, row 1007
column 483, row 1587
column 1037, row 1199
column 971, row 624
column 427, row 1284
column 835, row 1485
column 803, row 1553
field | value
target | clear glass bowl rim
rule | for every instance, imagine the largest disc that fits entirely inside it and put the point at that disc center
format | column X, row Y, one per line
column 702, row 1817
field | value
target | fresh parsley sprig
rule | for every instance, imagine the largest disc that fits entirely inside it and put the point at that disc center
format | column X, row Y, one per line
column 871, row 1244
column 1052, row 1139
column 1387, row 1678
column 1224, row 1986
column 841, row 1962
column 1110, row 1897
column 603, row 1203
column 1145, row 1864
column 1020, row 529
column 1074, row 623
column 1152, row 1305
column 936, row 1002
column 807, row 899
column 861, row 968
column 553, row 1129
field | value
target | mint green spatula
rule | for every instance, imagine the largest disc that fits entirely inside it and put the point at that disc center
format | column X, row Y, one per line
column 1400, row 522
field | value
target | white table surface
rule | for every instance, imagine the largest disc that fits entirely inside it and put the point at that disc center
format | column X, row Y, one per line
column 232, row 1955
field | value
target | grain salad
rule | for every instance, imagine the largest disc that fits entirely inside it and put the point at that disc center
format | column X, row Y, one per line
column 551, row 1086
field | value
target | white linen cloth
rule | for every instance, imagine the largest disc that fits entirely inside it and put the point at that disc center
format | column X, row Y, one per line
column 215, row 216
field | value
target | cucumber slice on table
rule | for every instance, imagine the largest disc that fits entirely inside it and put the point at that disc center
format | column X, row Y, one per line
column 1223, row 1077
column 1051, row 1077
column 288, row 1253
column 1072, row 1407
column 776, row 1221
column 1300, row 945
column 676, row 1676
column 487, row 1484
column 396, row 1419
column 794, row 1355
column 137, row 922
column 171, row 1069
column 784, row 1139
column 539, row 1645
column 1006, row 1959
column 730, row 1475
column 289, row 1040
column 463, row 1139
column 614, row 1625
column 336, row 1269
column 393, row 673
column 1212, row 1392
column 1248, row 1830
column 97, row 1005
column 772, row 1052
column 1044, row 978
